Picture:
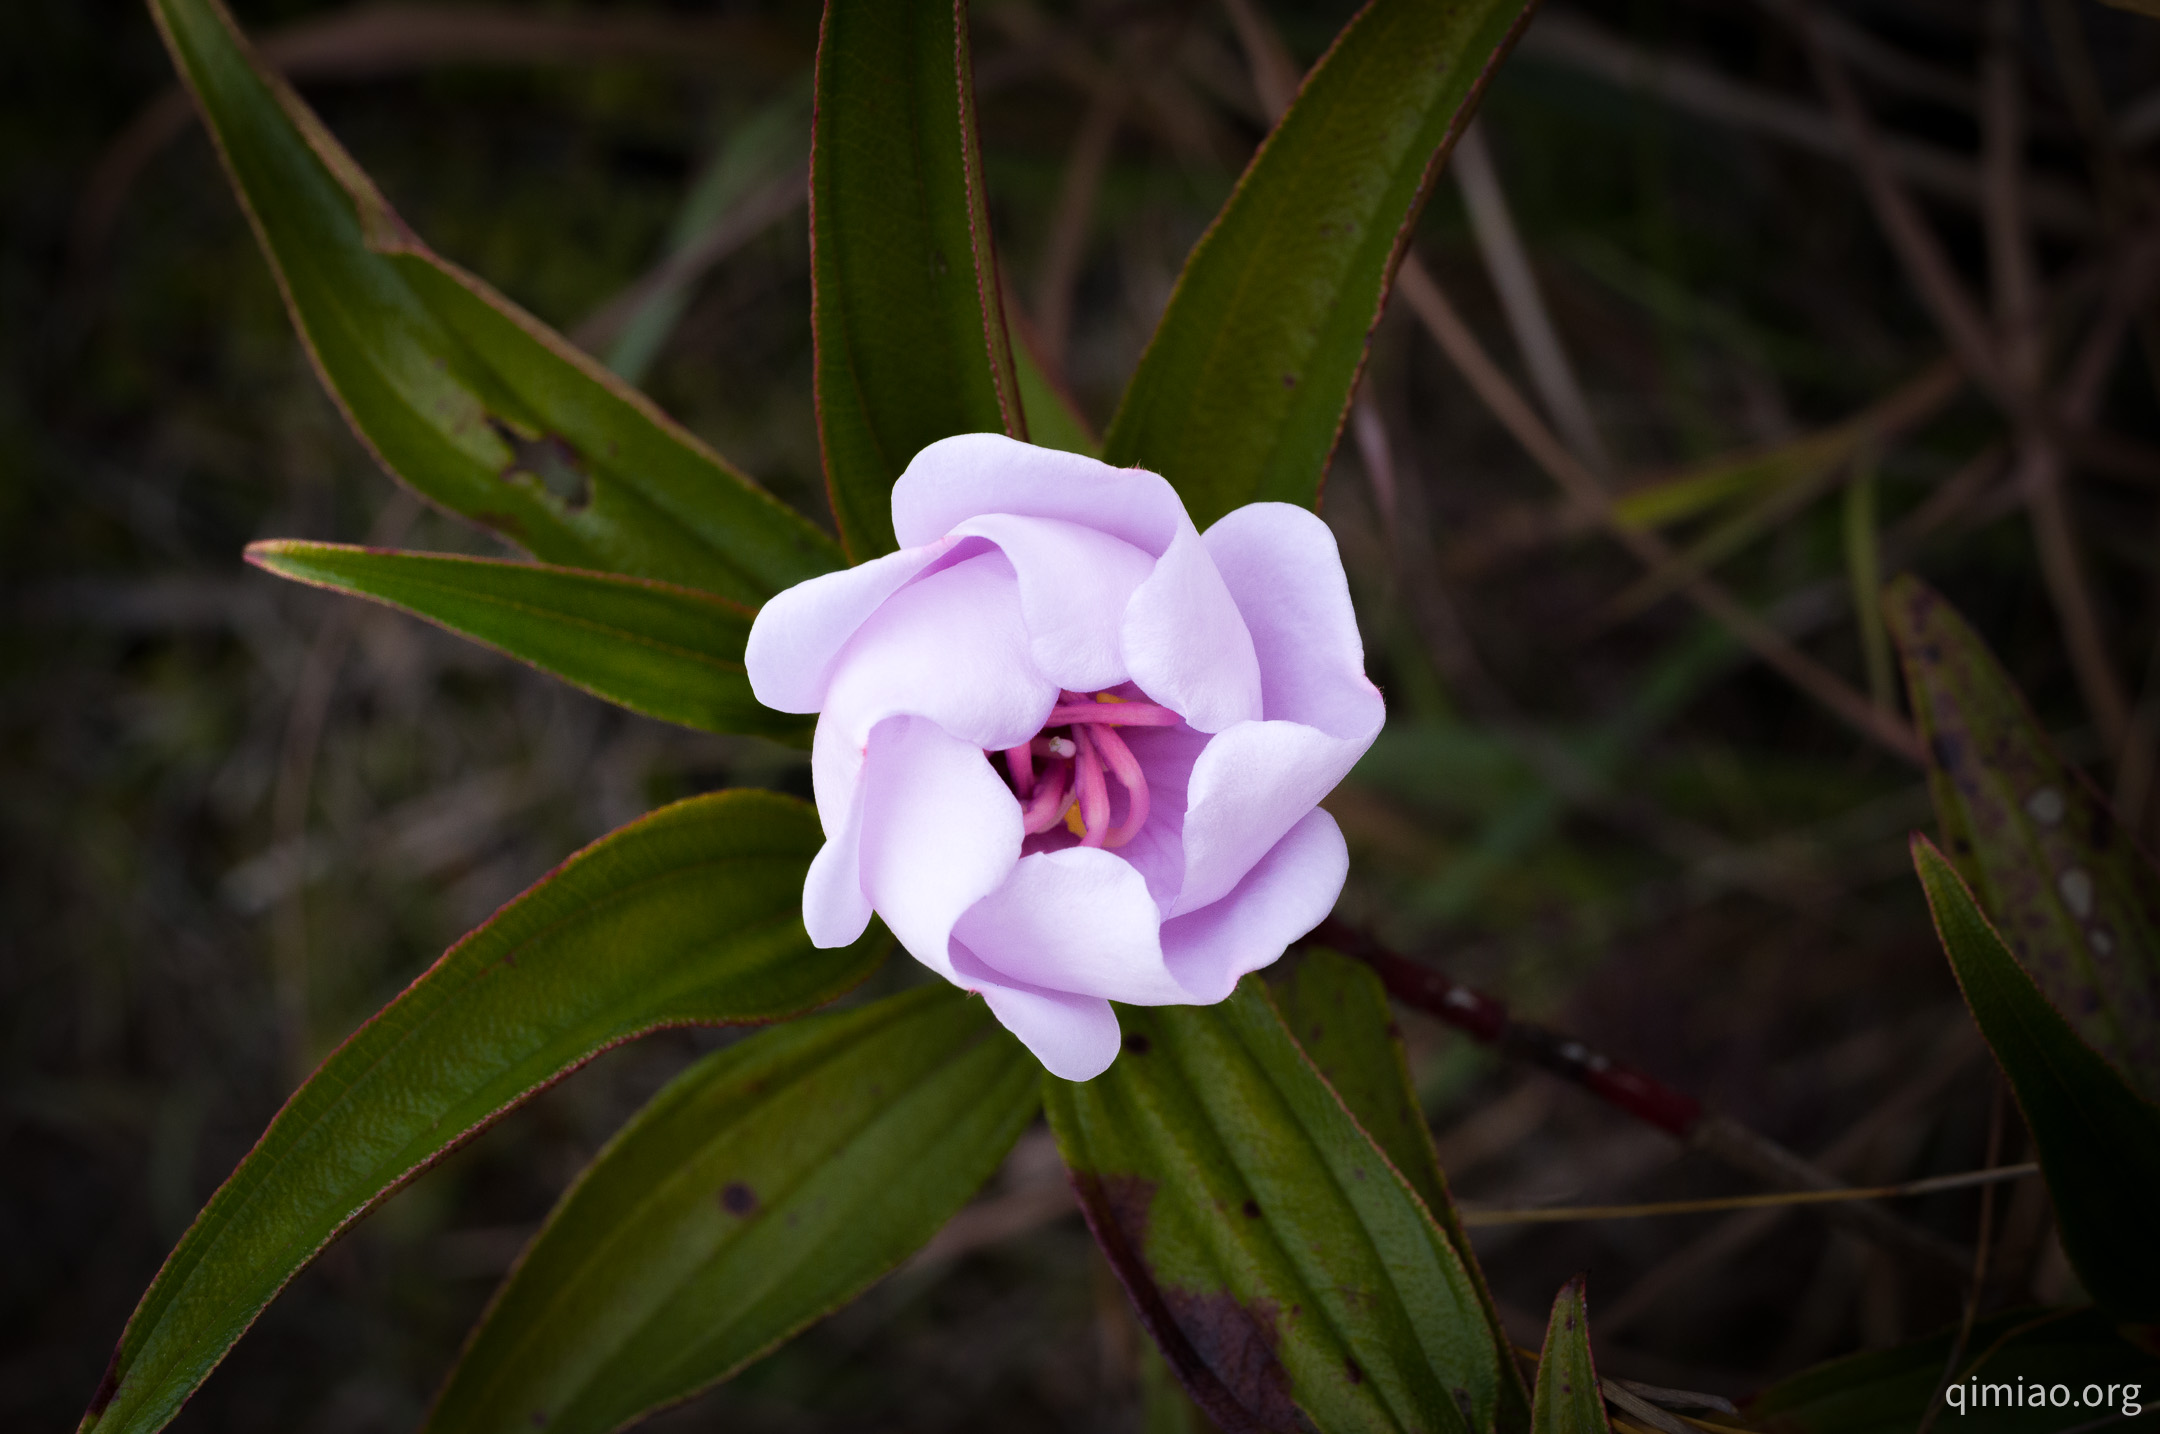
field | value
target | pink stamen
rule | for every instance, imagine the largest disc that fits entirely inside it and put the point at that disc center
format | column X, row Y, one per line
column 1047, row 807
column 1126, row 767
column 1020, row 761
column 1093, row 791
column 1123, row 714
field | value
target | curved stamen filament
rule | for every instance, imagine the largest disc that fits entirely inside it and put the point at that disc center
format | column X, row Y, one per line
column 1046, row 807
column 1093, row 792
column 1020, row 761
column 1126, row 768
column 1123, row 714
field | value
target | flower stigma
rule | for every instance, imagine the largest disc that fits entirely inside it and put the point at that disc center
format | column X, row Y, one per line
column 1079, row 752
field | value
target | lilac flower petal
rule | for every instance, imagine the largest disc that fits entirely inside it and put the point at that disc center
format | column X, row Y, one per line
column 970, row 474
column 835, row 912
column 1281, row 566
column 1157, row 852
column 1251, row 785
column 1077, row 920
column 1289, row 892
column 1074, row 585
column 950, row 646
column 1185, row 643
column 1075, row 1037
column 798, row 635
column 939, row 833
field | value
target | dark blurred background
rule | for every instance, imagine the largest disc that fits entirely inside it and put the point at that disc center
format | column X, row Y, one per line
column 236, row 815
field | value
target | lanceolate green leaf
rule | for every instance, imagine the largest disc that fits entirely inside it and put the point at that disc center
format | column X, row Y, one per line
column 689, row 916
column 765, row 1186
column 1288, row 1271
column 1242, row 392
column 463, row 396
column 1338, row 1011
column 2077, row 901
column 2099, row 1140
column 911, row 342
column 1568, row 1401
column 669, row 652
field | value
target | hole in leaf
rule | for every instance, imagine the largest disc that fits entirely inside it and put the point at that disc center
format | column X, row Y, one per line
column 548, row 460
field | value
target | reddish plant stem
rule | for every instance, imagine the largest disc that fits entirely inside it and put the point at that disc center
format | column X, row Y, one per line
column 1486, row 1019
column 1634, row 1092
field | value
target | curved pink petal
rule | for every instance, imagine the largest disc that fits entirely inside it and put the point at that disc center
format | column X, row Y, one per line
column 1185, row 642
column 1078, row 920
column 939, row 832
column 1250, row 786
column 1074, row 585
column 1281, row 566
column 834, row 910
column 1286, row 894
column 970, row 474
column 1075, row 1037
column 799, row 634
column 950, row 646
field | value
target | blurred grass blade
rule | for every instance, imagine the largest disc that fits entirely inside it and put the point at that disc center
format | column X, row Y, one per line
column 1053, row 419
column 1243, row 389
column 1338, row 1012
column 1863, row 566
column 1287, row 1270
column 690, row 916
column 1567, row 1400
column 1727, row 479
column 1888, row 1391
column 471, row 401
column 765, row 1186
column 2077, row 901
column 766, row 150
column 2099, row 1140
column 668, row 652
column 905, row 304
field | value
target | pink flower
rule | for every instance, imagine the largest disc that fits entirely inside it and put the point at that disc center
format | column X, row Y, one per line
column 1069, row 747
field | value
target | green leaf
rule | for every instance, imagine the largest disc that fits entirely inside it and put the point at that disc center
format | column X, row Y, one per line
column 1053, row 419
column 670, row 652
column 2077, row 901
column 1888, row 1391
column 2098, row 1140
column 1243, row 390
column 459, row 393
column 1338, row 1011
column 910, row 328
column 1568, row 1401
column 1288, row 1271
column 765, row 1186
column 689, row 916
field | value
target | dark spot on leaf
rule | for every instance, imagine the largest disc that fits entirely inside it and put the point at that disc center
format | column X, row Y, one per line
column 1252, row 1209
column 1138, row 1044
column 1351, row 1371
column 1289, row 380
column 738, row 1199
column 548, row 460
column 1317, row 1032
column 1235, row 1344
column 539, row 1420
column 500, row 522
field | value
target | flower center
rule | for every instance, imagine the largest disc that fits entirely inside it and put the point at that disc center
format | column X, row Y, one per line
column 1064, row 773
